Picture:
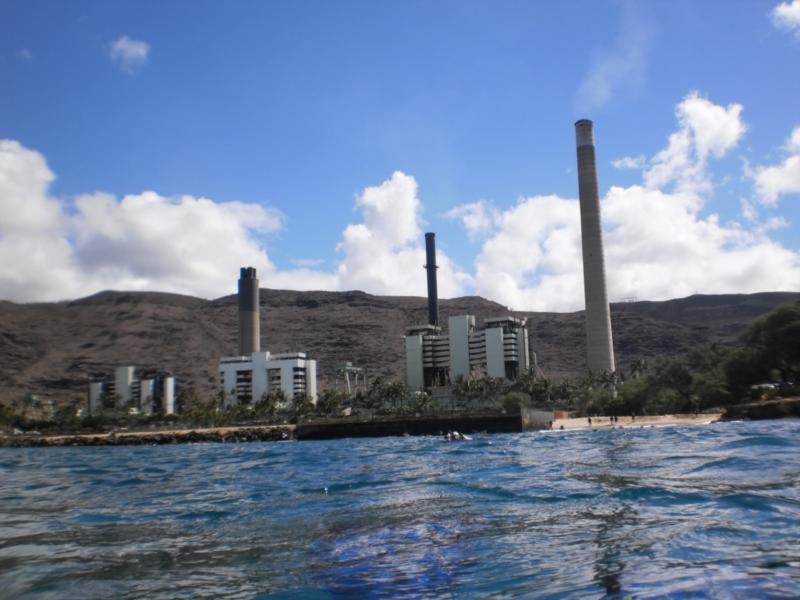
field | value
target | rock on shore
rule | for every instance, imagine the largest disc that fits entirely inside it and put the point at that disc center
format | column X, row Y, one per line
column 779, row 408
column 178, row 436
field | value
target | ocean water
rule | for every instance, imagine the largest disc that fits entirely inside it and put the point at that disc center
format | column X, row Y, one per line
column 680, row 512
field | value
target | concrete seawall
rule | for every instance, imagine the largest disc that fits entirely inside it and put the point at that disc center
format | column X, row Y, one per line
column 410, row 425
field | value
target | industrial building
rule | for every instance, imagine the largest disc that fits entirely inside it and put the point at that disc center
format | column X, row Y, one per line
column 438, row 359
column 247, row 377
column 599, row 342
column 435, row 359
column 147, row 394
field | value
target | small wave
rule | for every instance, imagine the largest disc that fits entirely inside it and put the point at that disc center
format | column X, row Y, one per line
column 661, row 512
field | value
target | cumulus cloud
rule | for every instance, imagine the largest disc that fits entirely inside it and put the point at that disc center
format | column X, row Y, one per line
column 130, row 55
column 657, row 246
column 35, row 255
column 148, row 241
column 53, row 250
column 772, row 182
column 658, row 242
column 786, row 15
column 629, row 162
column 623, row 66
column 477, row 218
column 385, row 253
column 706, row 129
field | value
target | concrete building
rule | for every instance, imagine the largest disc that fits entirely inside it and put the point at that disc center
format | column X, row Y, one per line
column 435, row 359
column 247, row 377
column 599, row 343
column 149, row 394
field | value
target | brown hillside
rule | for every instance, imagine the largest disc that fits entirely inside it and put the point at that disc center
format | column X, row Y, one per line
column 53, row 349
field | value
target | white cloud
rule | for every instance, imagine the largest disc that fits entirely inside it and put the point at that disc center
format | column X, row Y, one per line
column 385, row 253
column 141, row 242
column 657, row 246
column 532, row 255
column 629, row 162
column 35, row 256
column 52, row 251
column 775, row 181
column 478, row 218
column 706, row 129
column 130, row 55
column 624, row 66
column 658, row 243
column 786, row 15
column 793, row 143
column 147, row 241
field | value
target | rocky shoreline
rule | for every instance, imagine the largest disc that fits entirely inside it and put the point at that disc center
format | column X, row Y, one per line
column 332, row 429
column 780, row 408
column 261, row 433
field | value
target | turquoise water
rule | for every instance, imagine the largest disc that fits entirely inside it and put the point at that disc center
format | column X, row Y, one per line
column 685, row 512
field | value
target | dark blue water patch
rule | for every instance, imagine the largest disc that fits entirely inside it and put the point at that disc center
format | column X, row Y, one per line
column 675, row 512
column 100, row 518
column 758, row 440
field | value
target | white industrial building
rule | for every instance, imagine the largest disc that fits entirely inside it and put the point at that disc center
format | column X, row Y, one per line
column 435, row 359
column 245, row 379
column 148, row 395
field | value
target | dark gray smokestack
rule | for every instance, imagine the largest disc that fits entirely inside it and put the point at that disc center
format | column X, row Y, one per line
column 599, row 345
column 433, row 293
column 249, row 324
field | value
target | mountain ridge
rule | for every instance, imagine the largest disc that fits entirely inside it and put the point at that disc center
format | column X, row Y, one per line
column 54, row 349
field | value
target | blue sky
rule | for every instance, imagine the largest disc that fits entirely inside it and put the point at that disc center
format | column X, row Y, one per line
column 335, row 133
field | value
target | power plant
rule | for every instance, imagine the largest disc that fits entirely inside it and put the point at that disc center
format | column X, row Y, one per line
column 143, row 392
column 247, row 377
column 599, row 343
column 436, row 360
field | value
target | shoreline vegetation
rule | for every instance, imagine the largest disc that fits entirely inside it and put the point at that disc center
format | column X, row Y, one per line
column 427, row 425
column 762, row 369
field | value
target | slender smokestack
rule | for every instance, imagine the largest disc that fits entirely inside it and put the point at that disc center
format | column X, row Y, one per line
column 430, row 267
column 599, row 345
column 249, row 325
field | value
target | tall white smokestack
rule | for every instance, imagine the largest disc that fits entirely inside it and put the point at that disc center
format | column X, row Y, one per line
column 599, row 343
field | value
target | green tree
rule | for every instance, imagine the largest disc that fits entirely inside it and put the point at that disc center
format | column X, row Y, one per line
column 331, row 401
column 514, row 401
column 301, row 407
column 422, row 402
column 774, row 343
column 267, row 406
